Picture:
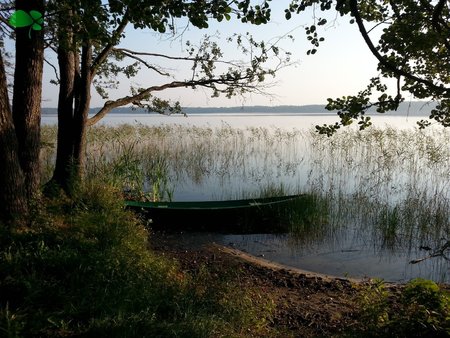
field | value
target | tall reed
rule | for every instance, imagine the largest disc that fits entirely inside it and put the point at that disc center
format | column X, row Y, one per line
column 393, row 184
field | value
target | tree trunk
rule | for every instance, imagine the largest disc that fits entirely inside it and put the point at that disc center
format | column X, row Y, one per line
column 13, row 201
column 64, row 154
column 82, row 111
column 27, row 97
column 73, row 108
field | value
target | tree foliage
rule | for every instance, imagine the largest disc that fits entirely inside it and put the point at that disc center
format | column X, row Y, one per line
column 413, row 49
column 87, row 37
column 103, row 25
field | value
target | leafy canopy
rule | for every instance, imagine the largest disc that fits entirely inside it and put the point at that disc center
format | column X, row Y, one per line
column 413, row 49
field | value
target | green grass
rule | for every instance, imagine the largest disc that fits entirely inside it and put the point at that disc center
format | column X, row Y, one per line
column 420, row 309
column 84, row 269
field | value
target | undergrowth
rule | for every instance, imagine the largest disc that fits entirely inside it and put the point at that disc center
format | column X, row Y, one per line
column 84, row 269
column 419, row 309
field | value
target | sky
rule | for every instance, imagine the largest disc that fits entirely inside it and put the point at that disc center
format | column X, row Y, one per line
column 342, row 66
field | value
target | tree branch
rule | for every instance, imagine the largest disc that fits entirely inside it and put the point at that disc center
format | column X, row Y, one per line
column 125, row 50
column 440, row 252
column 395, row 9
column 437, row 22
column 109, row 105
column 208, row 83
column 164, row 56
column 389, row 66
column 438, row 11
column 6, row 22
column 54, row 68
column 149, row 66
column 101, row 57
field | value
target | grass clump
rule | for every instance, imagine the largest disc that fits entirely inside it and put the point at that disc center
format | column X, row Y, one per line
column 420, row 309
column 84, row 269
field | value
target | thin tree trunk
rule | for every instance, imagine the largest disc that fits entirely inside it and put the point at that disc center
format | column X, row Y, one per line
column 27, row 97
column 82, row 111
column 13, row 201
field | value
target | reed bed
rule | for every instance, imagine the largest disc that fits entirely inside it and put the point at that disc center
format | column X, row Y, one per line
column 393, row 184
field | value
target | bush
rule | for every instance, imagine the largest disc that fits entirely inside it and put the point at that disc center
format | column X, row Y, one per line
column 85, row 269
column 421, row 309
column 426, row 309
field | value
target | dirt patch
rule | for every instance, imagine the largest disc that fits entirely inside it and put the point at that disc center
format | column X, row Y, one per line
column 306, row 304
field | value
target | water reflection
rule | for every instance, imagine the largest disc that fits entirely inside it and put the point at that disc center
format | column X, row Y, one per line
column 346, row 255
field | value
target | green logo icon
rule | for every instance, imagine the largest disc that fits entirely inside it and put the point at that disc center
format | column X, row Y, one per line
column 21, row 18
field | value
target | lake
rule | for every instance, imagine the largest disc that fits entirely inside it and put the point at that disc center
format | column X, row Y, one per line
column 242, row 120
column 386, row 190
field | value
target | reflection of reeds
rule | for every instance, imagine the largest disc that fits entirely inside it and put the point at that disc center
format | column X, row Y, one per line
column 391, row 184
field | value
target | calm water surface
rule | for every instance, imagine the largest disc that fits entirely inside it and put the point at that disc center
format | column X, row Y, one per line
column 237, row 120
column 345, row 255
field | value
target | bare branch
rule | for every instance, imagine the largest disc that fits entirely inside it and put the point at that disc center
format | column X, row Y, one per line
column 109, row 105
column 237, row 79
column 54, row 68
column 125, row 50
column 149, row 66
column 439, row 252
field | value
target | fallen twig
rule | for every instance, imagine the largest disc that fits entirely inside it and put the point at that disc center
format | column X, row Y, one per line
column 440, row 252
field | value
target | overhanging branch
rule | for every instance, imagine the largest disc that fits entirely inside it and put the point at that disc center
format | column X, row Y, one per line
column 110, row 105
column 101, row 57
column 126, row 51
column 389, row 66
column 146, row 64
column 208, row 83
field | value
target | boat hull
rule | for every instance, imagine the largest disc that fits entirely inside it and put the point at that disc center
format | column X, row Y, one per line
column 264, row 215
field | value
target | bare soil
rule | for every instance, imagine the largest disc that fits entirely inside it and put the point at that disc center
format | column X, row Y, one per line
column 306, row 304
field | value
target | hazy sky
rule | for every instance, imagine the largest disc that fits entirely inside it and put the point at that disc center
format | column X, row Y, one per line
column 343, row 64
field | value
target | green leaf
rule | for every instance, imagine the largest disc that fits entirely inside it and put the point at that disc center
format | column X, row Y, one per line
column 20, row 19
column 36, row 27
column 37, row 17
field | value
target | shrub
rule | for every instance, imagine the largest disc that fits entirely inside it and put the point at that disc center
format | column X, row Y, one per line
column 85, row 269
column 421, row 309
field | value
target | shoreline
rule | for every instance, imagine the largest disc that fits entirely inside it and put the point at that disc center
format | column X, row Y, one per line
column 304, row 303
column 278, row 266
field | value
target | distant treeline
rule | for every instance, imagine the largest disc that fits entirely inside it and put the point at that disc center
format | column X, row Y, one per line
column 415, row 108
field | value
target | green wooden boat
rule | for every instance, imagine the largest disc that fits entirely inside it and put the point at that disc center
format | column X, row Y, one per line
column 255, row 215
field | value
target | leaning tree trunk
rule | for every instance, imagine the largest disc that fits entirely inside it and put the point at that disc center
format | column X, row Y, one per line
column 27, row 97
column 13, row 201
